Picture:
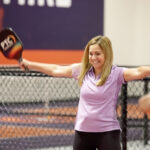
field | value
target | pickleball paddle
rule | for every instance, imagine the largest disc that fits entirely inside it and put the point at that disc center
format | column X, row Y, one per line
column 10, row 44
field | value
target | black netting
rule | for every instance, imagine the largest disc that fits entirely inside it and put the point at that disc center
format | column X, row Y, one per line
column 38, row 112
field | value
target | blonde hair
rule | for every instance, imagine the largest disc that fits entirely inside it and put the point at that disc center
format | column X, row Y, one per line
column 106, row 46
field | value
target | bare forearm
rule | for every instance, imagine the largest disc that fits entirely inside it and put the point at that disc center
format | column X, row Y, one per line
column 136, row 73
column 49, row 69
column 144, row 71
column 42, row 67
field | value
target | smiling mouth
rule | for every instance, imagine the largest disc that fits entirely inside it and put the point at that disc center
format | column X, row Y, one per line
column 95, row 62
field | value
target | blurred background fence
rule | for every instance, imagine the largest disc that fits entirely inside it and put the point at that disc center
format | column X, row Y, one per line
column 38, row 112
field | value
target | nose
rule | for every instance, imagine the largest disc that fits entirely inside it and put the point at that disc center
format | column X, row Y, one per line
column 94, row 56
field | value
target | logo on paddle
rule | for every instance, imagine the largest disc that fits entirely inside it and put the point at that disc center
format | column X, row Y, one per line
column 8, row 42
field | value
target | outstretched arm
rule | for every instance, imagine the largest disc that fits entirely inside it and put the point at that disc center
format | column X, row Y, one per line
column 136, row 73
column 49, row 69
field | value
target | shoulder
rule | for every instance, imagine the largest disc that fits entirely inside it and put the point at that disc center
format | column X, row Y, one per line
column 118, row 73
column 76, row 66
column 76, row 70
column 118, row 69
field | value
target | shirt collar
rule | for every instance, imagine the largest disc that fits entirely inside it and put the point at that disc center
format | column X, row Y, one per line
column 91, row 70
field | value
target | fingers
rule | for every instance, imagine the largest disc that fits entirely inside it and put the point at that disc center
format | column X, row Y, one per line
column 24, row 64
column 144, row 103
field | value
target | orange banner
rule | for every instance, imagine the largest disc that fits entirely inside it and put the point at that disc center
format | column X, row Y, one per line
column 47, row 56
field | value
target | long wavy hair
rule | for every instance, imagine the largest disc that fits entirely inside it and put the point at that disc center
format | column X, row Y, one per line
column 106, row 46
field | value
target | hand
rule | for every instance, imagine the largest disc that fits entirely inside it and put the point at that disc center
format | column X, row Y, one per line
column 24, row 64
column 144, row 103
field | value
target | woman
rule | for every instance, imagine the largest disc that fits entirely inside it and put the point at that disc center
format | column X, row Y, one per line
column 100, row 82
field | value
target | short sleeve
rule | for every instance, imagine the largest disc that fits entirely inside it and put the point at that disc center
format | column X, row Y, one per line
column 120, row 74
column 75, row 72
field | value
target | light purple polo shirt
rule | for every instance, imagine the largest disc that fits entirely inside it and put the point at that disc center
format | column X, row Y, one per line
column 97, row 104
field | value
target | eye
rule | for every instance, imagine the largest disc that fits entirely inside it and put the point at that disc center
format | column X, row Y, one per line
column 98, row 53
column 90, row 54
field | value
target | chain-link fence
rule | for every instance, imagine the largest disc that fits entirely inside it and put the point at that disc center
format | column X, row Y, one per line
column 38, row 112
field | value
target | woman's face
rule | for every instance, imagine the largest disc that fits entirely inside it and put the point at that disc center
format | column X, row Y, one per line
column 96, row 56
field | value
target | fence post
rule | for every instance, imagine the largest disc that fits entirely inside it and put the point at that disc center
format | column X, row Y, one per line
column 124, row 116
column 145, row 115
